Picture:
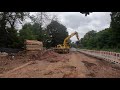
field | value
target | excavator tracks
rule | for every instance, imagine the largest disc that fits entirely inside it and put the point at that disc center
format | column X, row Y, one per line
column 60, row 50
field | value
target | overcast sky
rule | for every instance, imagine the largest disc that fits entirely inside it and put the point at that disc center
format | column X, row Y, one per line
column 75, row 21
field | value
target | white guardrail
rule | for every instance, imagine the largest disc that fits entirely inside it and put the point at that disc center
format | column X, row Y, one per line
column 105, row 55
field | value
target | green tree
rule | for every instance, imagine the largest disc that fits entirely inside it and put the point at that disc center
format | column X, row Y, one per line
column 57, row 32
column 89, row 40
column 115, row 28
column 8, row 33
column 26, row 32
column 103, row 39
column 37, row 31
column 108, row 38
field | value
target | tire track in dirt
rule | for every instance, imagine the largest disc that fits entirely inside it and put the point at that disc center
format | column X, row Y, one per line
column 72, row 65
column 99, row 68
column 80, row 68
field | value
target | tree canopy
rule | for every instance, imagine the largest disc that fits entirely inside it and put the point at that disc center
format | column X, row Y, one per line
column 108, row 38
column 58, row 33
column 8, row 32
column 54, row 33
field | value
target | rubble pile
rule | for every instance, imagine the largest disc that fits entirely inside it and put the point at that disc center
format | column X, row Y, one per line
column 51, row 56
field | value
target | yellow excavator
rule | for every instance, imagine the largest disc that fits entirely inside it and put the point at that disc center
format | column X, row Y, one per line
column 65, row 47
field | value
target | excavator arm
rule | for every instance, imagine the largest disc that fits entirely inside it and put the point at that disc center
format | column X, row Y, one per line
column 65, row 47
column 65, row 43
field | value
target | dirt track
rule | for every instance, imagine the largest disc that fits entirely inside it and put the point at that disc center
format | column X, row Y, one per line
column 72, row 65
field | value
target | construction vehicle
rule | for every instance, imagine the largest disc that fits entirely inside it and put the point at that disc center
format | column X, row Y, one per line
column 65, row 47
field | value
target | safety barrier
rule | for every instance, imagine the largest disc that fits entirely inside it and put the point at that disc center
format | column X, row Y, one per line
column 105, row 55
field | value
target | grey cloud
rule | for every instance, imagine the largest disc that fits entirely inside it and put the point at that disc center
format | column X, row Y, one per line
column 74, row 21
column 78, row 22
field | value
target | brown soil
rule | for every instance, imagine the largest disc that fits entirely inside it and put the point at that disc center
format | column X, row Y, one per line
column 49, row 64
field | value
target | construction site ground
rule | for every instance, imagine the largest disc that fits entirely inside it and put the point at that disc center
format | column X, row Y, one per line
column 53, row 65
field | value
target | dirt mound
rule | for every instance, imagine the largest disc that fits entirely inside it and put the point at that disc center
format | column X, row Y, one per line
column 51, row 56
column 50, row 53
column 47, row 55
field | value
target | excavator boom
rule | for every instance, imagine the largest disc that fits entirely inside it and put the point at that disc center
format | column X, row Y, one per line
column 65, row 43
